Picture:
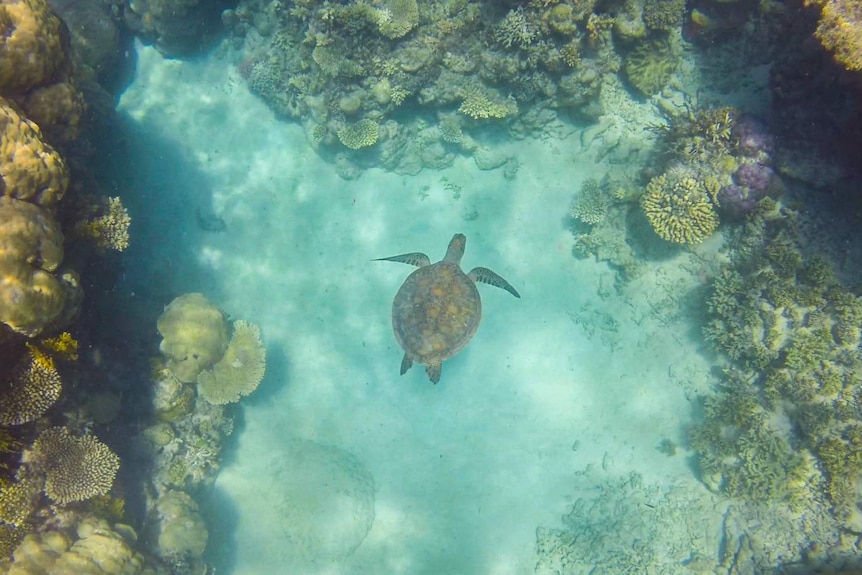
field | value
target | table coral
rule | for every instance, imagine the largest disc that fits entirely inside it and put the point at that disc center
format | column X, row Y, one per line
column 29, row 168
column 195, row 335
column 679, row 209
column 241, row 369
column 31, row 45
column 33, row 292
column 76, row 468
column 30, row 389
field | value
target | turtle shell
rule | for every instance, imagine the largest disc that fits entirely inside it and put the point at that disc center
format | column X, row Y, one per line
column 436, row 312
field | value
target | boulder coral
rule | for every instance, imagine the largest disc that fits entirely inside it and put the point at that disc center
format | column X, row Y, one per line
column 239, row 372
column 33, row 292
column 31, row 45
column 182, row 532
column 195, row 335
column 30, row 169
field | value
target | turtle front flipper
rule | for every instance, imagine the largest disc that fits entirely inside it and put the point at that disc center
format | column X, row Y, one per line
column 486, row 276
column 433, row 370
column 415, row 259
column 406, row 363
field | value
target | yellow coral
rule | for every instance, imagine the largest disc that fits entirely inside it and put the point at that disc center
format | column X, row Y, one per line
column 840, row 30
column 33, row 293
column 195, row 335
column 64, row 346
column 481, row 106
column 679, row 209
column 76, row 468
column 29, row 168
column 29, row 389
column 241, row 369
column 31, row 48
column 362, row 134
column 110, row 229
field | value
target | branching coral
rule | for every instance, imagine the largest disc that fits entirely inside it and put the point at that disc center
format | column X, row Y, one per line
column 76, row 468
column 361, row 134
column 481, row 106
column 679, row 209
column 241, row 369
column 515, row 30
column 31, row 387
column 107, row 224
column 591, row 204
column 29, row 169
column 397, row 17
column 195, row 335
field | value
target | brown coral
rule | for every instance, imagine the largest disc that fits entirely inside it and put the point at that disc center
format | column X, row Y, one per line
column 29, row 390
column 56, row 108
column 33, row 292
column 31, row 45
column 241, row 369
column 29, row 168
column 76, row 468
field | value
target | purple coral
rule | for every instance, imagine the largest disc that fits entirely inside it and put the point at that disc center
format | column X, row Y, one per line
column 736, row 201
column 753, row 182
column 756, row 177
column 753, row 139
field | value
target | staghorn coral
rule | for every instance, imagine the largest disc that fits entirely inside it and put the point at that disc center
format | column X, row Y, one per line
column 195, row 335
column 29, row 169
column 840, row 30
column 98, row 550
column 361, row 134
column 34, row 293
column 31, row 45
column 76, row 468
column 241, row 369
column 679, row 209
column 650, row 65
column 107, row 224
column 30, row 388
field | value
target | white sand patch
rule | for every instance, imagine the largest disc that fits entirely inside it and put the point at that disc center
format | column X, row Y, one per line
column 466, row 470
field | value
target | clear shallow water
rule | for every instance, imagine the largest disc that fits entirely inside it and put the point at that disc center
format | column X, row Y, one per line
column 566, row 389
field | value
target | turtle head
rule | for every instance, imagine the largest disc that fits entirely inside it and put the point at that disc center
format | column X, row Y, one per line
column 456, row 248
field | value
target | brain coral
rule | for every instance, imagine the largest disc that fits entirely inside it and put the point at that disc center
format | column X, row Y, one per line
column 650, row 65
column 31, row 45
column 679, row 209
column 195, row 335
column 241, row 369
column 29, row 169
column 31, row 387
column 32, row 294
column 76, row 468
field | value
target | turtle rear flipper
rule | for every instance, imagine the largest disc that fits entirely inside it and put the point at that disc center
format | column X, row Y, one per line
column 406, row 363
column 433, row 370
column 486, row 276
column 417, row 259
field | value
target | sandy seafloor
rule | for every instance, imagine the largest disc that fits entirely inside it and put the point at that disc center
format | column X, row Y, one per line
column 572, row 385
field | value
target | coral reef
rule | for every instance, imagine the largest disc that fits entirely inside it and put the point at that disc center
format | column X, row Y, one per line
column 241, row 369
column 195, row 335
column 35, row 293
column 678, row 208
column 361, row 134
column 29, row 389
column 75, row 468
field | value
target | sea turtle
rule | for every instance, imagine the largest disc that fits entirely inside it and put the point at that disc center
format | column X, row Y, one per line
column 437, row 310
